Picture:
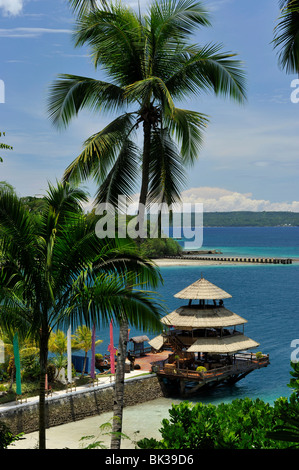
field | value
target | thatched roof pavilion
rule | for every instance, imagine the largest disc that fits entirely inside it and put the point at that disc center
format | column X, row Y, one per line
column 206, row 347
column 204, row 327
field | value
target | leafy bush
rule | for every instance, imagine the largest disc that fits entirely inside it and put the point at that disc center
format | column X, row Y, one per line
column 6, row 437
column 241, row 424
column 30, row 367
column 159, row 247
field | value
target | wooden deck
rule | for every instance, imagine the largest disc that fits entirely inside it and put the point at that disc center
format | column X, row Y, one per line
column 145, row 362
column 190, row 381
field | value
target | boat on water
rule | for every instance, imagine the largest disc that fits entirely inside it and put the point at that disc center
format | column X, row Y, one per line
column 205, row 344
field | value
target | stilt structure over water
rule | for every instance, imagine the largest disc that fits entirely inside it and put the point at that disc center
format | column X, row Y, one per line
column 206, row 349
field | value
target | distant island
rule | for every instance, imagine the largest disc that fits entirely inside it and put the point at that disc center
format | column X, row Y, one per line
column 250, row 219
column 245, row 219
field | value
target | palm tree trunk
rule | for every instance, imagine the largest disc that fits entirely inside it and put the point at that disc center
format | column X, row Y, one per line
column 84, row 365
column 145, row 171
column 119, row 385
column 42, row 394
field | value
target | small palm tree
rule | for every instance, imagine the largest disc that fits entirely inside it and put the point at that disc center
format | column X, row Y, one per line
column 58, row 346
column 55, row 272
column 82, row 339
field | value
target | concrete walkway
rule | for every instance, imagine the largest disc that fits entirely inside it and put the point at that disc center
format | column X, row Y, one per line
column 103, row 382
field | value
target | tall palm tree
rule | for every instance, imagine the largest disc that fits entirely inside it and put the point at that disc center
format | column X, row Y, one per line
column 56, row 272
column 286, row 37
column 150, row 63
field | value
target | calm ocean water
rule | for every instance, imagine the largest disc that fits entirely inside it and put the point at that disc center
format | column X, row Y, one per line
column 267, row 296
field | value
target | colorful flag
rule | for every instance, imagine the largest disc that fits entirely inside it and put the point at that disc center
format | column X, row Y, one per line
column 17, row 364
column 93, row 346
column 69, row 355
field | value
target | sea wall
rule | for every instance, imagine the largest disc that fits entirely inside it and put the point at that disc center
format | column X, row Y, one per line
column 79, row 404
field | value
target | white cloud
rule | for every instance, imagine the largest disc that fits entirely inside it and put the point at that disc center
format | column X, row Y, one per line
column 31, row 32
column 11, row 7
column 224, row 200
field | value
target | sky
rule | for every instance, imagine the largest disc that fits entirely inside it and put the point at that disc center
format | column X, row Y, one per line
column 249, row 160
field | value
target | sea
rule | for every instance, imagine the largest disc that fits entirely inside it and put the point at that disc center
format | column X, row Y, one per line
column 266, row 295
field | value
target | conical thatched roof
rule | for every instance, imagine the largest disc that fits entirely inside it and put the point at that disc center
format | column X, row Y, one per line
column 224, row 345
column 202, row 289
column 195, row 317
column 157, row 342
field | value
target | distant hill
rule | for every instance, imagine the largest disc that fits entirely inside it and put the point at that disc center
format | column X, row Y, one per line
column 252, row 219
column 245, row 219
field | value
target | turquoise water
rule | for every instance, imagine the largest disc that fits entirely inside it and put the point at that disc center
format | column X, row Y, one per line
column 278, row 242
column 267, row 296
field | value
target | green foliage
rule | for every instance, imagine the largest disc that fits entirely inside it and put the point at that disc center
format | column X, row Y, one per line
column 250, row 219
column 160, row 247
column 30, row 367
column 294, row 381
column 241, row 424
column 286, row 36
column 4, row 146
column 6, row 436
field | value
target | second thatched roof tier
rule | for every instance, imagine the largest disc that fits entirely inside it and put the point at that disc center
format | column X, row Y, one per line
column 202, row 290
column 224, row 345
column 192, row 317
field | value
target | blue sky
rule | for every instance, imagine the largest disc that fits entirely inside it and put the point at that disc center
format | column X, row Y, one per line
column 249, row 160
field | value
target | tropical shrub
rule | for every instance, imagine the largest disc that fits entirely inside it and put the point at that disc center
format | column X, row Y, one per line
column 6, row 436
column 241, row 424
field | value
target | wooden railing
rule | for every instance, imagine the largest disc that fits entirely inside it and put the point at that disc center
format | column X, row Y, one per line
column 242, row 362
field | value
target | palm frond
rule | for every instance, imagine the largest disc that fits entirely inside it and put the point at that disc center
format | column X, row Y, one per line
column 176, row 19
column 167, row 175
column 108, row 297
column 18, row 233
column 286, row 36
column 209, row 69
column 82, row 7
column 71, row 93
column 123, row 176
column 187, row 127
column 100, row 151
column 114, row 38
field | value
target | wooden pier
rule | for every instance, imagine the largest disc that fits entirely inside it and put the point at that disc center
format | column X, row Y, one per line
column 233, row 259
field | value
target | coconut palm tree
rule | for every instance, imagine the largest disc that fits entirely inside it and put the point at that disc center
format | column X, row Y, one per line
column 56, row 272
column 286, row 37
column 150, row 63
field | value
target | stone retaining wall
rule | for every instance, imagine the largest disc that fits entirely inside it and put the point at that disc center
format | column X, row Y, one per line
column 79, row 405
